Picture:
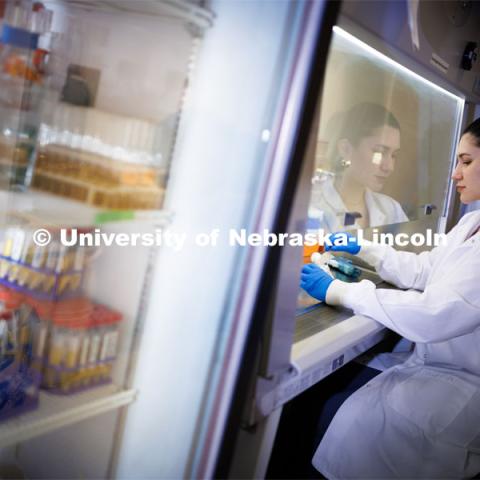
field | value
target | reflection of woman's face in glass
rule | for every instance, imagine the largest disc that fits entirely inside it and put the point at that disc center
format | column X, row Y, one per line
column 372, row 160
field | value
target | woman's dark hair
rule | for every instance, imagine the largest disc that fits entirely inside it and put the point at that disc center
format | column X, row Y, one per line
column 355, row 124
column 474, row 130
column 360, row 121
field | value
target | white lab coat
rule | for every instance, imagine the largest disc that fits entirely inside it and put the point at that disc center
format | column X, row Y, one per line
column 382, row 209
column 419, row 419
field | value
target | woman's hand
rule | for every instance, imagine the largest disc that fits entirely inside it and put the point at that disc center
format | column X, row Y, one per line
column 315, row 281
column 343, row 242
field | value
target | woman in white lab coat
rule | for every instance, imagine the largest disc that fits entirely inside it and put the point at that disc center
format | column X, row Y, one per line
column 419, row 419
column 363, row 145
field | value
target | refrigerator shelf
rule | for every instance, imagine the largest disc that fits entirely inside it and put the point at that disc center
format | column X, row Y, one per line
column 56, row 411
column 43, row 209
column 187, row 11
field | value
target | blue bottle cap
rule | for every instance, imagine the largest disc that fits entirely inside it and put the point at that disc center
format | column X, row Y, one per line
column 313, row 223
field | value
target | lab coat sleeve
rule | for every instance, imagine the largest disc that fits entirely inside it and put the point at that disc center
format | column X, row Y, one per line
column 402, row 269
column 444, row 310
column 410, row 270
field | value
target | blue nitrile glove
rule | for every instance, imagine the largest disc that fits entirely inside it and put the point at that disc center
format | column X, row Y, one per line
column 343, row 242
column 315, row 281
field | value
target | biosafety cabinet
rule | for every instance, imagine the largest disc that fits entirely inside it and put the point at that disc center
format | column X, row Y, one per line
column 135, row 339
column 403, row 74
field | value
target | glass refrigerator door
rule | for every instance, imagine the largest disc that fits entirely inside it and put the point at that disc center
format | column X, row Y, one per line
column 91, row 95
column 139, row 142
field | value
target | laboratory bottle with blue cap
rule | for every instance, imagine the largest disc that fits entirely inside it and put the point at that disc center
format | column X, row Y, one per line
column 314, row 226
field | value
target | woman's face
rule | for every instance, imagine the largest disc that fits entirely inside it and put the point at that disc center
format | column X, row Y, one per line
column 467, row 171
column 372, row 160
